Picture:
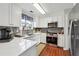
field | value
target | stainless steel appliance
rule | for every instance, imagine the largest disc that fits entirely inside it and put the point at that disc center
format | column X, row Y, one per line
column 52, row 39
column 75, row 38
column 74, row 30
column 5, row 34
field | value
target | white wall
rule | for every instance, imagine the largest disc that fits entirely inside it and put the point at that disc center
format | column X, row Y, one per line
column 66, row 24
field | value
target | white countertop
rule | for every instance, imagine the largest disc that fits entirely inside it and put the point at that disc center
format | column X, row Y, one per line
column 15, row 47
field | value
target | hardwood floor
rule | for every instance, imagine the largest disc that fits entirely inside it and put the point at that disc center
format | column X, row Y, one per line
column 51, row 50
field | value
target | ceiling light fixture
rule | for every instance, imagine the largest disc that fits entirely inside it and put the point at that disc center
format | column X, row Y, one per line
column 39, row 8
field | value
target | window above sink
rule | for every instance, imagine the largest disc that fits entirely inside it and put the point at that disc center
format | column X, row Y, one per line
column 27, row 21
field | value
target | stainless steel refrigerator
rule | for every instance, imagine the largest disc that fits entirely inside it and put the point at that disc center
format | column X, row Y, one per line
column 75, row 38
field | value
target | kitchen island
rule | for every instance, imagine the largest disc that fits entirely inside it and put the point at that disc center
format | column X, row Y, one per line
column 18, row 46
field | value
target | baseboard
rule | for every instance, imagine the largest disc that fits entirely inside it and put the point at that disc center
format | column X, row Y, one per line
column 41, row 43
column 59, row 47
column 37, row 44
column 48, row 43
column 65, row 48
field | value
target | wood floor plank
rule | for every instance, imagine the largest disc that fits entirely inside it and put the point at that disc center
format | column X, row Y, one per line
column 51, row 50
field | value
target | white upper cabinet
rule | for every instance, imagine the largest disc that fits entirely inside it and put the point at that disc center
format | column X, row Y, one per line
column 43, row 22
column 15, row 16
column 4, row 14
column 60, row 21
column 54, row 19
column 40, row 22
column 10, row 15
column 49, row 19
column 36, row 22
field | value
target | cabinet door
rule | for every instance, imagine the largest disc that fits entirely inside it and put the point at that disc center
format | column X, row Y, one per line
column 60, row 21
column 36, row 22
column 43, row 22
column 4, row 14
column 15, row 16
column 54, row 19
column 36, row 37
column 60, row 40
column 43, row 37
column 49, row 19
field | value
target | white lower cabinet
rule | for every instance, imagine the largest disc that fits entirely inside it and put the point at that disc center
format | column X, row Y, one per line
column 43, row 37
column 40, row 37
column 36, row 37
column 30, row 52
column 60, row 40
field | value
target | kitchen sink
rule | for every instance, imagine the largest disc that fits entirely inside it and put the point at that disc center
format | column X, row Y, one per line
column 18, row 36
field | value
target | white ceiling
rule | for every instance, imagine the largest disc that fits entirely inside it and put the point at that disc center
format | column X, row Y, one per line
column 27, row 7
column 49, row 8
